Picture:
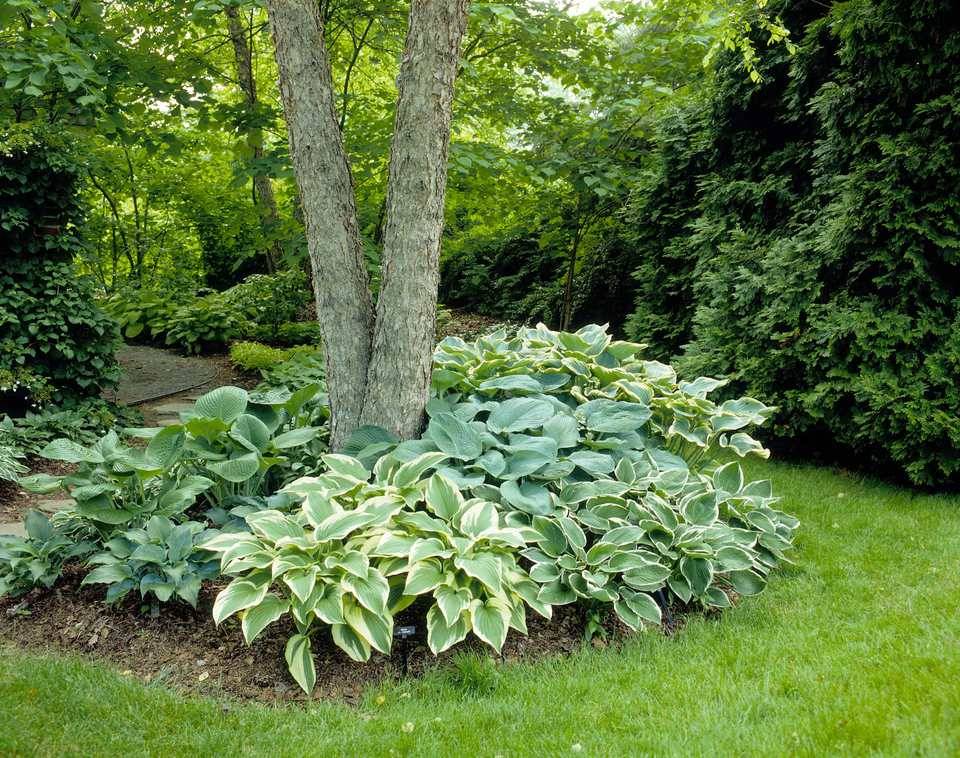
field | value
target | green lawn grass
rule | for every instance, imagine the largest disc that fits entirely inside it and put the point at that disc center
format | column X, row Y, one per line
column 855, row 651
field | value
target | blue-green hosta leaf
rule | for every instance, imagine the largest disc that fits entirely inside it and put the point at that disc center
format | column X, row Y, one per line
column 612, row 416
column 491, row 621
column 299, row 657
column 454, row 437
column 165, row 446
column 236, row 470
column 716, row 597
column 108, row 574
column 513, row 383
column 224, row 403
column 441, row 634
column 733, row 559
column 701, row 386
column 592, row 462
column 254, row 620
column 237, row 596
column 70, row 452
column 528, row 497
column 492, row 462
column 743, row 444
column 250, row 432
column 340, row 525
column 518, row 414
column 350, row 642
column 465, row 480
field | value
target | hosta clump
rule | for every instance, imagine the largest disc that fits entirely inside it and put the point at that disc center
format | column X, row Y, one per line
column 162, row 559
column 610, row 462
column 37, row 559
column 359, row 551
column 229, row 444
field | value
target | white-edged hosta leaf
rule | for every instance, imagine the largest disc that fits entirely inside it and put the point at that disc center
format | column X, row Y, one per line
column 237, row 596
column 257, row 618
column 350, row 642
column 491, row 621
column 299, row 657
column 442, row 635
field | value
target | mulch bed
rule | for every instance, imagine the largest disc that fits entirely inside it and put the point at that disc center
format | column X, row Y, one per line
column 182, row 649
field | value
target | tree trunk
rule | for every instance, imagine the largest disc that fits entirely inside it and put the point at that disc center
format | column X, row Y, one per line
column 263, row 197
column 399, row 375
column 344, row 305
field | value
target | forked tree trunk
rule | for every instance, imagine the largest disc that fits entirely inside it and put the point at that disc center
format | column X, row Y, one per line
column 341, row 287
column 399, row 375
column 383, row 382
column 263, row 197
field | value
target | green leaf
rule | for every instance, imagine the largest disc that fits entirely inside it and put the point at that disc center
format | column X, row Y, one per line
column 644, row 606
column 728, row 478
column 491, row 621
column 166, row 445
column 299, row 657
column 441, row 634
column 701, row 508
column 224, row 403
column 350, row 642
column 747, row 582
column 409, row 473
column 236, row 470
column 295, row 437
column 484, row 568
column 423, row 577
column 70, row 452
column 237, row 596
column 443, row 497
column 375, row 628
column 528, row 497
column 518, row 414
column 452, row 602
column 346, row 466
column 698, row 572
column 479, row 518
column 454, row 437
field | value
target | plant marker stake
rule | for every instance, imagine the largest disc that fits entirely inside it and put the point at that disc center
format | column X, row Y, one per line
column 403, row 634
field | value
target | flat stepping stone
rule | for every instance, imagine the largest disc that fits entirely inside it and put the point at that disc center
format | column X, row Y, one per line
column 16, row 529
column 52, row 506
column 168, row 421
column 172, row 408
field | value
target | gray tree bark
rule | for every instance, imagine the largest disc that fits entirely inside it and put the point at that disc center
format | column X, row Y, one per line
column 399, row 375
column 263, row 197
column 378, row 366
column 341, row 286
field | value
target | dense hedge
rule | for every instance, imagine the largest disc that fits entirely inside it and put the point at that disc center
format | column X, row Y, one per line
column 818, row 257
column 54, row 341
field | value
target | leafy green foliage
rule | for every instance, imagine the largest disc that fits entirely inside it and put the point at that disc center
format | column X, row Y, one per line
column 230, row 444
column 49, row 322
column 84, row 421
column 255, row 356
column 162, row 559
column 567, row 469
column 816, row 265
column 143, row 314
column 207, row 324
column 37, row 559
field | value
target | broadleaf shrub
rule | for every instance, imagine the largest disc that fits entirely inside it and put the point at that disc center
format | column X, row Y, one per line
column 49, row 322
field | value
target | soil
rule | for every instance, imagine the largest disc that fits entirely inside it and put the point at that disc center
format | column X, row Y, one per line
column 465, row 324
column 182, row 649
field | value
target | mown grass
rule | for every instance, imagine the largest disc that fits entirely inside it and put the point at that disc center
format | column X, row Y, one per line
column 855, row 651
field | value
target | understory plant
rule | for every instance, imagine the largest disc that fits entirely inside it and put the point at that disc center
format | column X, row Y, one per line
column 567, row 469
column 37, row 560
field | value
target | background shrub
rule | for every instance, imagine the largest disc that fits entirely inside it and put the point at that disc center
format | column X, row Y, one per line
column 49, row 323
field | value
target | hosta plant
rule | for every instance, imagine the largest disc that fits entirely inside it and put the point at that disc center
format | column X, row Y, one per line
column 359, row 551
column 162, row 560
column 36, row 560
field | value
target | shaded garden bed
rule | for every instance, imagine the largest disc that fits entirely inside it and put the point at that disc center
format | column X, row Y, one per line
column 181, row 648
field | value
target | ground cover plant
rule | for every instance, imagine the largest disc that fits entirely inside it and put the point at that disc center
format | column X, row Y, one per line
column 556, row 468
